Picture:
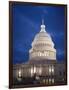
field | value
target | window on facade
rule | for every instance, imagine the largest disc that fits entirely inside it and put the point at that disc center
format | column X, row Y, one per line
column 40, row 54
column 19, row 73
column 51, row 54
column 46, row 53
column 52, row 80
column 40, row 71
column 46, row 81
column 43, row 80
column 49, row 70
column 52, row 69
column 34, row 69
column 37, row 70
column 31, row 71
column 49, row 80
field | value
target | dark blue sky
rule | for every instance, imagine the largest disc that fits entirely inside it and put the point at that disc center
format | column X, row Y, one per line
column 26, row 24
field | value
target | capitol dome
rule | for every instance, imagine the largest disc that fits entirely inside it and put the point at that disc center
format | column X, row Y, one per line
column 42, row 46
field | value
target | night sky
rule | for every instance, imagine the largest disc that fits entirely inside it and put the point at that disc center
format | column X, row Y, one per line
column 26, row 24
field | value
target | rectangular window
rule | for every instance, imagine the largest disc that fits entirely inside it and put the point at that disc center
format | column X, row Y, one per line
column 46, row 81
column 50, row 70
column 52, row 80
column 49, row 80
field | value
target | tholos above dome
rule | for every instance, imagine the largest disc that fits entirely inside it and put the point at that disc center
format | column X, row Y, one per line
column 42, row 46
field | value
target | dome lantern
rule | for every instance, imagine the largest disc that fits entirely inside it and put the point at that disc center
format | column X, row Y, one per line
column 42, row 26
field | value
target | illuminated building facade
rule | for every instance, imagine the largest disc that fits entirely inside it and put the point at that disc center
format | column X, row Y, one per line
column 42, row 67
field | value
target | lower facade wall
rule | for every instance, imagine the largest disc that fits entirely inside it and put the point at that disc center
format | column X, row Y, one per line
column 44, row 73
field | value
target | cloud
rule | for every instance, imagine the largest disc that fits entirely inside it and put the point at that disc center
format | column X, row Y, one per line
column 60, row 51
column 54, row 34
